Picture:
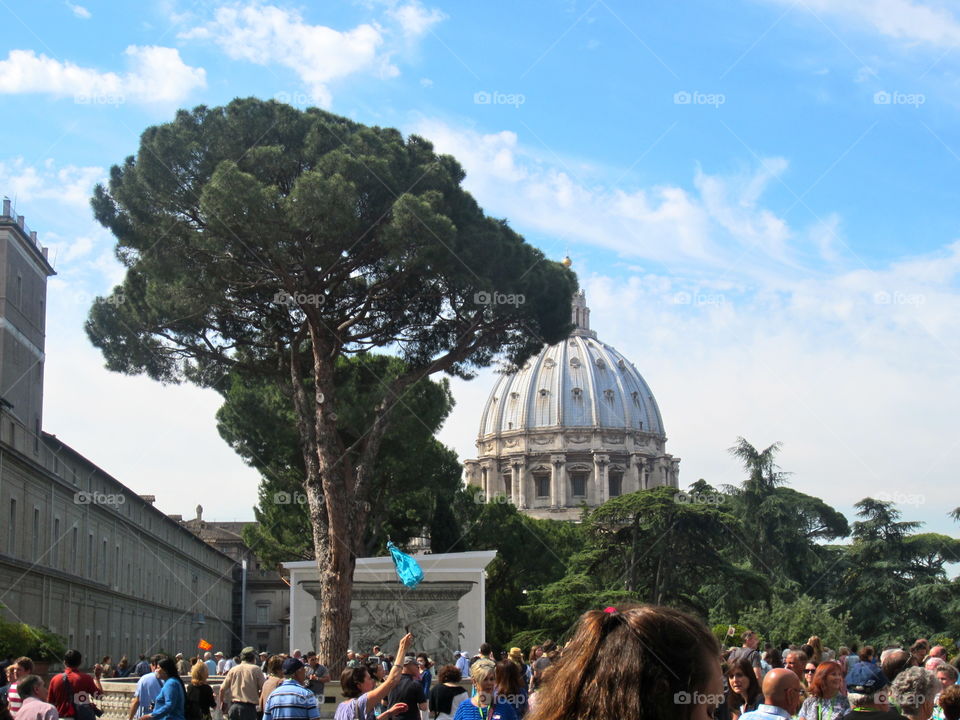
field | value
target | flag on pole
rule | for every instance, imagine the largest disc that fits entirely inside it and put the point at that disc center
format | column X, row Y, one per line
column 731, row 631
column 204, row 645
column 408, row 570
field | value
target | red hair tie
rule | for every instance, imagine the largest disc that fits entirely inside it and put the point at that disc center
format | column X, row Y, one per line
column 610, row 610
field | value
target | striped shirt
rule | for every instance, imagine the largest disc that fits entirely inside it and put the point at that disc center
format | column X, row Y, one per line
column 13, row 698
column 291, row 701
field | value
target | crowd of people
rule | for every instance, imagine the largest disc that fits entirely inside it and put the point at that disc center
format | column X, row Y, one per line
column 636, row 662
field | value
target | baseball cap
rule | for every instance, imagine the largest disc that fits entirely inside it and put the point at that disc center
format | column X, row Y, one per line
column 218, row 653
column 409, row 660
column 291, row 665
column 248, row 651
column 465, row 654
column 866, row 678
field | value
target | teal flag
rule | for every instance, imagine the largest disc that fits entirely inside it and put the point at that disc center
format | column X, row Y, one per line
column 408, row 570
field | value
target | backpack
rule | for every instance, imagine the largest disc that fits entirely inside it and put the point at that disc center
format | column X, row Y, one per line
column 82, row 710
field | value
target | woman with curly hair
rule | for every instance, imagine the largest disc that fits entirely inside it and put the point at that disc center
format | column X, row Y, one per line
column 637, row 662
column 914, row 690
column 825, row 702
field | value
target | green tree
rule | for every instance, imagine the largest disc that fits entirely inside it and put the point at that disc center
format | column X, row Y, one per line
column 784, row 528
column 262, row 240
column 794, row 619
column 896, row 586
column 417, row 476
column 657, row 546
column 531, row 553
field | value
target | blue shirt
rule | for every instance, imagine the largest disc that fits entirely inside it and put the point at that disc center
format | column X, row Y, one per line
column 291, row 701
column 148, row 687
column 169, row 703
column 211, row 667
column 502, row 710
column 766, row 712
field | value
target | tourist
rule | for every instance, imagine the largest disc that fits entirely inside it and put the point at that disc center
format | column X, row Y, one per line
column 485, row 705
column 426, row 678
column 749, row 651
column 240, row 691
column 516, row 655
column 292, row 700
column 867, row 693
column 743, row 690
column 183, row 667
column 221, row 663
column 949, row 703
column 200, row 698
column 408, row 690
column 210, row 663
column 70, row 685
column 549, row 654
column 33, row 705
column 463, row 663
column 817, row 650
column 447, row 694
column 919, row 650
column 512, row 686
column 866, row 654
column 796, row 662
column 23, row 666
column 148, row 687
column 142, row 667
column 932, row 663
column 317, row 676
column 264, row 657
column 630, row 663
column 781, row 696
column 169, row 704
column 914, row 691
column 773, row 658
column 106, row 668
column 10, row 678
column 124, row 668
column 274, row 678
column 947, row 675
column 362, row 693
column 895, row 661
column 486, row 652
column 825, row 700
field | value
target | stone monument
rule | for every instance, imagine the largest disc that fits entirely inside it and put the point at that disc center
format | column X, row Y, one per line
column 445, row 611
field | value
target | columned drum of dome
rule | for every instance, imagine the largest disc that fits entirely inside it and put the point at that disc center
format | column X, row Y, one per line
column 576, row 425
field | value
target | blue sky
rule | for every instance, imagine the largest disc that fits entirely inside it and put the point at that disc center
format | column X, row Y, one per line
column 759, row 198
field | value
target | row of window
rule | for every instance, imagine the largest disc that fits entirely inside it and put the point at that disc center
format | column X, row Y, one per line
column 67, row 552
column 577, row 486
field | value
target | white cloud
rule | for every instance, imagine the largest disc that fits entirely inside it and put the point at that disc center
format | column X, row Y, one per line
column 746, row 325
column 319, row 55
column 156, row 75
column 79, row 10
column 414, row 19
column 912, row 22
column 716, row 224
column 70, row 184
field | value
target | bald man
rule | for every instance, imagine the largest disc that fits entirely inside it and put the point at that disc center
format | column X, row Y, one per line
column 781, row 696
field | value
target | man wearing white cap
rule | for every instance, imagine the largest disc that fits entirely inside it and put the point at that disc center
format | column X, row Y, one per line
column 463, row 664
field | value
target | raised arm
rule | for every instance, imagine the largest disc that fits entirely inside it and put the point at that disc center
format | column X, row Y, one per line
column 377, row 694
